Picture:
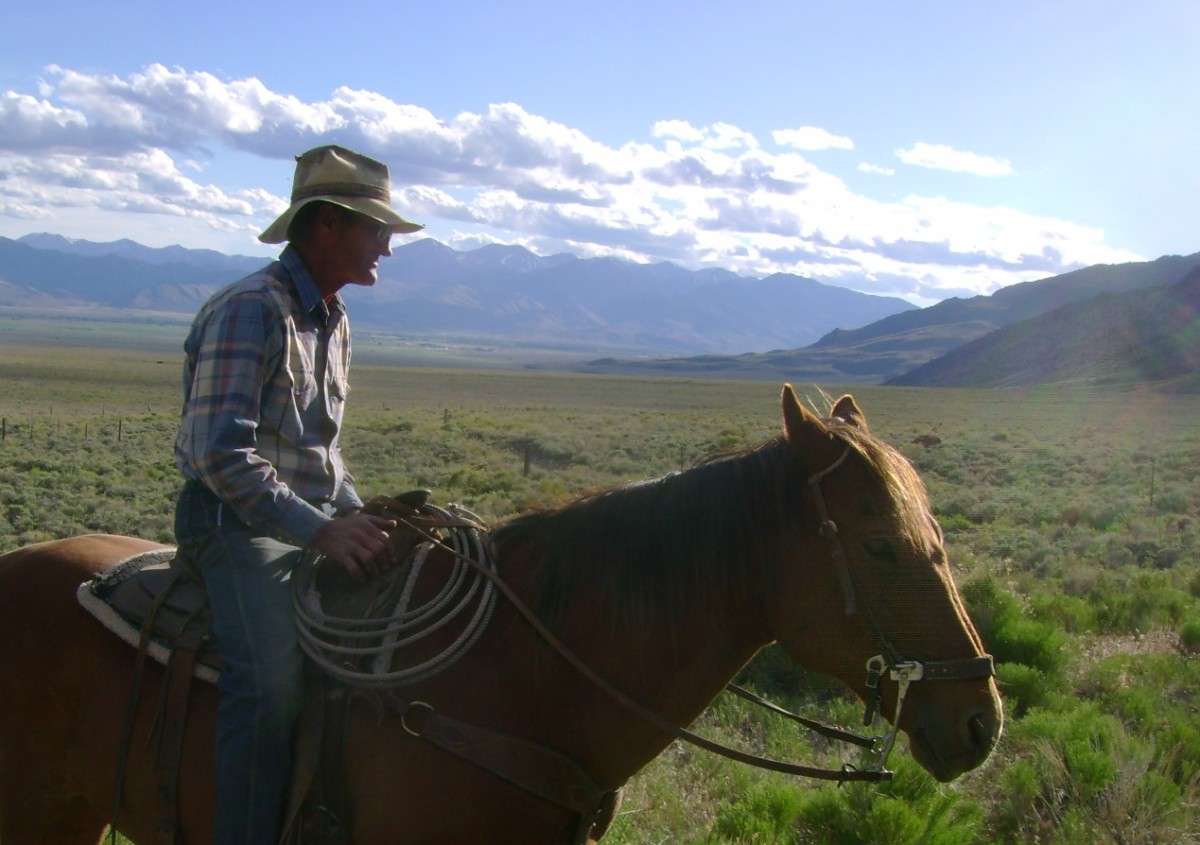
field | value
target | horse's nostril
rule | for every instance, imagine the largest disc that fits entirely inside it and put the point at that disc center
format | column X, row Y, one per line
column 981, row 731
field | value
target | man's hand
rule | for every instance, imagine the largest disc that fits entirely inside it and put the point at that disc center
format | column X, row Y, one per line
column 359, row 542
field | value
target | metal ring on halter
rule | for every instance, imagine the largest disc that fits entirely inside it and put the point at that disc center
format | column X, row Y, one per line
column 424, row 707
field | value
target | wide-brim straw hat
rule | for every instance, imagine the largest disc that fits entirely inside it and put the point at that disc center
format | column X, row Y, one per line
column 343, row 177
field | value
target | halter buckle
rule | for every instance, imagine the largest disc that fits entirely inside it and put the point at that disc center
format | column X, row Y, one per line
column 875, row 667
column 908, row 670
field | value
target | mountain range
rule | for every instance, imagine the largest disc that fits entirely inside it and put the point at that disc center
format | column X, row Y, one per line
column 498, row 294
column 1107, row 325
column 884, row 351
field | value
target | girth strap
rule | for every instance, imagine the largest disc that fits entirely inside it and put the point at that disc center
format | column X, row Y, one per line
column 310, row 734
column 170, row 729
column 534, row 768
column 171, row 718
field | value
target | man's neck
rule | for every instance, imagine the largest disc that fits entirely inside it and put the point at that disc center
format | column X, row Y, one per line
column 328, row 283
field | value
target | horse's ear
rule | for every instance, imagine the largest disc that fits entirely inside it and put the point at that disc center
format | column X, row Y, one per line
column 799, row 424
column 847, row 410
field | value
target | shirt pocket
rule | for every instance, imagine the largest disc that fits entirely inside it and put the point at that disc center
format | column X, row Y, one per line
column 304, row 389
column 339, row 390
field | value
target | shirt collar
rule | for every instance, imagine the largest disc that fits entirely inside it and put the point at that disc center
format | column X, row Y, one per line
column 306, row 286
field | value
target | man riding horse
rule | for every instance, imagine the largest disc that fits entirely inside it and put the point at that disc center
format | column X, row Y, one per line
column 265, row 385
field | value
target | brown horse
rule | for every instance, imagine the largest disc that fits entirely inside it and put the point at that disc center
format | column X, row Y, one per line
column 666, row 589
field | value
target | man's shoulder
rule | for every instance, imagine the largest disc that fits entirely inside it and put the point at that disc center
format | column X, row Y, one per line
column 270, row 284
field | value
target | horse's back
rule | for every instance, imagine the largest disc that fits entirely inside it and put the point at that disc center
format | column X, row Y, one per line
column 38, row 582
column 57, row 661
column 38, row 608
column 88, row 553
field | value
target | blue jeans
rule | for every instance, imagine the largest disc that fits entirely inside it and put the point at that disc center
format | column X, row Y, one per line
column 248, row 579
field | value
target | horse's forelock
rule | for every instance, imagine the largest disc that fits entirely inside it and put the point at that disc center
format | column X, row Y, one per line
column 902, row 485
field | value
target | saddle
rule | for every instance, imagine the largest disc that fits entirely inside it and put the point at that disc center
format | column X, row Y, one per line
column 353, row 634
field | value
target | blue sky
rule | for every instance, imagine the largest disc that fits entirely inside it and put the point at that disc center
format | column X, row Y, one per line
column 922, row 149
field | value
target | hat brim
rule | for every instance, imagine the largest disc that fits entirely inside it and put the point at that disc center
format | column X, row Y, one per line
column 378, row 210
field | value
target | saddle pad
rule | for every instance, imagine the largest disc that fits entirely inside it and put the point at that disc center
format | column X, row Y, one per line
column 122, row 596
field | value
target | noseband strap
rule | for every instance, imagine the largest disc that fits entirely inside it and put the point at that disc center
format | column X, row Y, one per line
column 966, row 669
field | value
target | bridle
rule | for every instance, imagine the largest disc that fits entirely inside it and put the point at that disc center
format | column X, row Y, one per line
column 903, row 671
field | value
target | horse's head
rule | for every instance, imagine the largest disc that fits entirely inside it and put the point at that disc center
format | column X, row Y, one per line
column 885, row 599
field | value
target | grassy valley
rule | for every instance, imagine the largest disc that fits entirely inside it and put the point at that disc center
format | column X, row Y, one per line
column 1072, row 520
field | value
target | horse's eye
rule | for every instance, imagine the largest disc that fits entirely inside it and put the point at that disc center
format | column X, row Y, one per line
column 881, row 549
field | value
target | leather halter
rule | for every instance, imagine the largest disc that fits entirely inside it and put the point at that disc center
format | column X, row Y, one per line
column 899, row 669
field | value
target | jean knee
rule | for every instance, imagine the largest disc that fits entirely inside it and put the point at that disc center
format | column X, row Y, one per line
column 271, row 691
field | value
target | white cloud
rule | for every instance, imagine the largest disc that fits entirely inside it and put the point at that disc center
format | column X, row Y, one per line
column 867, row 167
column 30, row 123
column 942, row 157
column 678, row 129
column 717, row 136
column 811, row 138
column 138, row 149
column 725, row 136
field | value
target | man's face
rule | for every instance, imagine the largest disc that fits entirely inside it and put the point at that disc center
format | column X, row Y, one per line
column 362, row 242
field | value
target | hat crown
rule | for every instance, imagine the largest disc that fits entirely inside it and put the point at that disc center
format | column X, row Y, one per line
column 337, row 171
column 342, row 177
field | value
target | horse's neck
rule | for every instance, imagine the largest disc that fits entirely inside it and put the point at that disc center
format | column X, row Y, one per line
column 705, row 618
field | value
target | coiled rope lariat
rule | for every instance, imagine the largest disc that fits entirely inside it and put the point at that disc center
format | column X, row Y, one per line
column 362, row 647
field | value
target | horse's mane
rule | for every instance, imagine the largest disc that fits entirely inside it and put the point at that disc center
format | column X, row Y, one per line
column 653, row 549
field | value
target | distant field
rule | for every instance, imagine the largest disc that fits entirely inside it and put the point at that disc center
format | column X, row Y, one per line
column 126, row 329
column 1072, row 519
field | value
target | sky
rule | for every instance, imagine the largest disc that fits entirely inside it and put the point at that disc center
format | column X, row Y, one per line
column 919, row 149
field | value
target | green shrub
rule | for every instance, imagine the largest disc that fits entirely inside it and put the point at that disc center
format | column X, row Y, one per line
column 1069, row 613
column 1030, row 643
column 910, row 810
column 765, row 814
column 1080, row 776
column 1157, row 697
column 1025, row 687
column 1144, row 602
column 1008, row 633
column 1189, row 634
column 990, row 606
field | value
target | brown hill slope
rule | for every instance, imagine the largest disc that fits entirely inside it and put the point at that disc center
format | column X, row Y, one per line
column 1114, row 340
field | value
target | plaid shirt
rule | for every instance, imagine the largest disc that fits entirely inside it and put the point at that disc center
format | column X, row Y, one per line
column 264, row 387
